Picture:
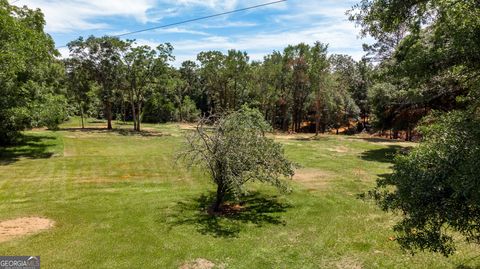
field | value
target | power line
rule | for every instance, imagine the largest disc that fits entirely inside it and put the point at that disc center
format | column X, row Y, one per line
column 14, row 2
column 195, row 19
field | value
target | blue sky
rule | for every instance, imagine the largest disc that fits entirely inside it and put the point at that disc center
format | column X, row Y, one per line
column 257, row 32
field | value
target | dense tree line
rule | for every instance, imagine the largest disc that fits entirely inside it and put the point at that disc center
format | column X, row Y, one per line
column 299, row 89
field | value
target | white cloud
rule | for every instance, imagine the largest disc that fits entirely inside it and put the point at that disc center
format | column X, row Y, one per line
column 228, row 24
column 341, row 38
column 216, row 4
column 179, row 30
column 80, row 15
column 287, row 23
column 76, row 15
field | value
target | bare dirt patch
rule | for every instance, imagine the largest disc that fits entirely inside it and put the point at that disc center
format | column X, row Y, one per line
column 348, row 263
column 312, row 178
column 199, row 264
column 11, row 229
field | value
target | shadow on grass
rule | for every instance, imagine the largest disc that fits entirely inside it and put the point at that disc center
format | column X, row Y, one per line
column 124, row 132
column 377, row 139
column 384, row 155
column 312, row 138
column 28, row 146
column 255, row 209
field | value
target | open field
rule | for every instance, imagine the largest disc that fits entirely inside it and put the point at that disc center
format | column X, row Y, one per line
column 119, row 200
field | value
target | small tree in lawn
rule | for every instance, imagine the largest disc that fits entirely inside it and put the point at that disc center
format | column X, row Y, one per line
column 235, row 150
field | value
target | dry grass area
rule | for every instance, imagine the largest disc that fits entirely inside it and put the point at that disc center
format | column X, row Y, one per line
column 313, row 179
column 200, row 264
column 15, row 228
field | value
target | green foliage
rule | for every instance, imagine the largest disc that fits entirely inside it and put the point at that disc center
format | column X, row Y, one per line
column 101, row 56
column 235, row 151
column 428, row 51
column 28, row 69
column 143, row 67
column 187, row 111
column 52, row 112
column 224, row 78
column 436, row 185
column 355, row 78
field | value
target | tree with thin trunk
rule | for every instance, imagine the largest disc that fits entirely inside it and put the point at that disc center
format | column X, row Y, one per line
column 79, row 86
column 102, row 56
column 143, row 66
column 235, row 150
column 318, row 72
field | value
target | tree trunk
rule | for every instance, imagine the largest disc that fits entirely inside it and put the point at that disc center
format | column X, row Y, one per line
column 284, row 118
column 81, row 116
column 395, row 134
column 134, row 114
column 139, row 116
column 180, row 112
column 219, row 198
column 109, row 115
column 273, row 118
column 317, row 117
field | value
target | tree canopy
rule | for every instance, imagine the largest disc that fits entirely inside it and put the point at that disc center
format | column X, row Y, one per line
column 30, row 76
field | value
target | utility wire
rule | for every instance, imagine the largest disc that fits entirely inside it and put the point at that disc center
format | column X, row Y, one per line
column 14, row 2
column 195, row 19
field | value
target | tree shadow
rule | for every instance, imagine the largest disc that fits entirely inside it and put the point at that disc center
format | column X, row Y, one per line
column 255, row 209
column 312, row 138
column 467, row 267
column 28, row 146
column 123, row 132
column 384, row 155
column 378, row 139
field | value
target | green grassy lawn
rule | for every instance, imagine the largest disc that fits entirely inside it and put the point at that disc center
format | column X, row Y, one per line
column 119, row 200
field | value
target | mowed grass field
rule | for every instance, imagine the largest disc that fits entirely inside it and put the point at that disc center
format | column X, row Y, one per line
column 120, row 200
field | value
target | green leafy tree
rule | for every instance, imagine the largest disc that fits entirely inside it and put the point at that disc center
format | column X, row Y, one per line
column 80, row 87
column 52, row 111
column 189, row 73
column 102, row 56
column 272, row 88
column 235, row 151
column 318, row 75
column 237, row 76
column 213, row 79
column 143, row 66
column 29, row 73
column 298, row 60
column 436, row 185
column 354, row 77
column 187, row 111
